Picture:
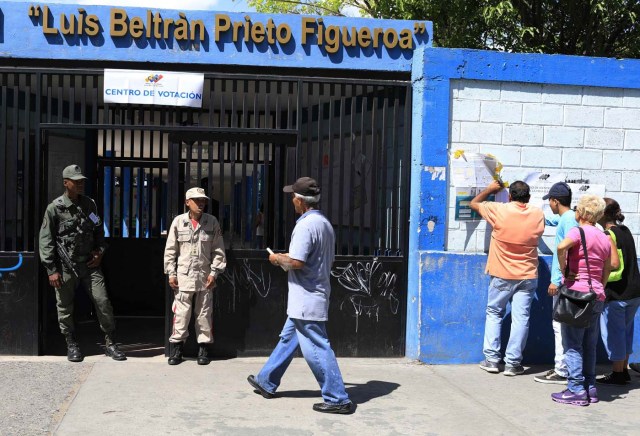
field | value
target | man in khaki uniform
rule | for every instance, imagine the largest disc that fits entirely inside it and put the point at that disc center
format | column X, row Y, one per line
column 71, row 249
column 193, row 258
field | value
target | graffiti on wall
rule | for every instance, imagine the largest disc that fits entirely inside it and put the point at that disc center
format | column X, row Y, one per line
column 368, row 288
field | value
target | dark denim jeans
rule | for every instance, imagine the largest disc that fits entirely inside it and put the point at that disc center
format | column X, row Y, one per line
column 580, row 352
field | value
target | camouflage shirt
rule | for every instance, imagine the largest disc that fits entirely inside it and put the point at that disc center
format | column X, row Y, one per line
column 76, row 226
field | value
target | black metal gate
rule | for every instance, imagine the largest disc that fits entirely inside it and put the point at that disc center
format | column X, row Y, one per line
column 351, row 137
column 253, row 135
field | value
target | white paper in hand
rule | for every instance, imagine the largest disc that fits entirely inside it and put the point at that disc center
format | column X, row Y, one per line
column 284, row 268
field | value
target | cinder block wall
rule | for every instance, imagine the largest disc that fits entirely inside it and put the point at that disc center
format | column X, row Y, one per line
column 584, row 132
column 570, row 114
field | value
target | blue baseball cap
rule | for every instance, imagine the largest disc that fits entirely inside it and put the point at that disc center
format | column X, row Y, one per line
column 560, row 189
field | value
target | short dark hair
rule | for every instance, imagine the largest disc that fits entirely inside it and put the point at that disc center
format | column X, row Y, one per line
column 519, row 191
column 565, row 201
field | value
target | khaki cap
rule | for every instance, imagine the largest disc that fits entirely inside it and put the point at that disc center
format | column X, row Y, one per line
column 73, row 172
column 196, row 193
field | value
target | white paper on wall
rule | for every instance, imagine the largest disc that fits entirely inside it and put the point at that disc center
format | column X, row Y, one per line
column 579, row 190
column 473, row 170
column 539, row 184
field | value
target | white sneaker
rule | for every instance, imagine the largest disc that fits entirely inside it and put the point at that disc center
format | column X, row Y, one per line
column 551, row 378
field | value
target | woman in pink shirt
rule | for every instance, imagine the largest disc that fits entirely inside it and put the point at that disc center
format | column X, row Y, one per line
column 580, row 343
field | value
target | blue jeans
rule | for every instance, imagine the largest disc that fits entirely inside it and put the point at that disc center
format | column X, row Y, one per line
column 313, row 341
column 501, row 291
column 580, row 352
column 616, row 326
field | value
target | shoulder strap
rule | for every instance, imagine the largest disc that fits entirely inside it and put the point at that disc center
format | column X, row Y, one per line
column 612, row 232
column 81, row 212
column 586, row 257
column 612, row 235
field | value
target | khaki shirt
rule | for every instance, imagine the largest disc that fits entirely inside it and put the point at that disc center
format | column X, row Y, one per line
column 76, row 226
column 193, row 254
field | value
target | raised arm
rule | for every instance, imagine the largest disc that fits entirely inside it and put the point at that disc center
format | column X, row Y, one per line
column 493, row 188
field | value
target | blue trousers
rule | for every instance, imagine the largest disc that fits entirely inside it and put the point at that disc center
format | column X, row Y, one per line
column 501, row 291
column 312, row 338
column 616, row 326
column 580, row 352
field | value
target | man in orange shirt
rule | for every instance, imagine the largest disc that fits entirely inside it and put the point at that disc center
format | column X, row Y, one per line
column 513, row 267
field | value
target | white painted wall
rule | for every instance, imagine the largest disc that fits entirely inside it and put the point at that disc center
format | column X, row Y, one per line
column 584, row 132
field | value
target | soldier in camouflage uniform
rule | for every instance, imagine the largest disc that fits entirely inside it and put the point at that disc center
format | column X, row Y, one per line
column 71, row 248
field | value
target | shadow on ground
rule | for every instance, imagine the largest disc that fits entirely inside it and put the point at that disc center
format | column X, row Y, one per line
column 606, row 393
column 137, row 337
column 358, row 393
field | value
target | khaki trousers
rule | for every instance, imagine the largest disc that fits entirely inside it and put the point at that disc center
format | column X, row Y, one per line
column 202, row 305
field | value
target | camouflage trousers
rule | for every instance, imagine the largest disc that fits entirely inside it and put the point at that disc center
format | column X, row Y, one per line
column 92, row 281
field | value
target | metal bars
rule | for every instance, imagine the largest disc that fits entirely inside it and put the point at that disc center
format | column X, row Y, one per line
column 354, row 140
column 257, row 132
column 17, row 154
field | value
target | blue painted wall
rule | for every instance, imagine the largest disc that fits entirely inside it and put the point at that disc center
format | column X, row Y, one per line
column 22, row 36
column 452, row 327
column 447, row 291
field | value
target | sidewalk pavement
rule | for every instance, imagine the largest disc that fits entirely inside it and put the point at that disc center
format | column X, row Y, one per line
column 145, row 396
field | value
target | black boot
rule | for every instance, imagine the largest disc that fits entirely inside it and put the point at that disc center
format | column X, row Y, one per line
column 73, row 349
column 613, row 378
column 175, row 357
column 203, row 355
column 111, row 348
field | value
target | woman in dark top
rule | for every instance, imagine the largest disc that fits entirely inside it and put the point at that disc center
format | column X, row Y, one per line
column 623, row 297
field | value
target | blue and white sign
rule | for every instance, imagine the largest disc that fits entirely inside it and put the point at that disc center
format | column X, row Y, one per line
column 153, row 87
column 39, row 30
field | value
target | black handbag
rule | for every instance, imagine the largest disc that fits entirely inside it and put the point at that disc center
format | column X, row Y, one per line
column 575, row 308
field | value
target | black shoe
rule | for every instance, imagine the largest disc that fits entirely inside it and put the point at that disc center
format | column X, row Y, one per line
column 614, row 378
column 176, row 353
column 511, row 371
column 490, row 366
column 111, row 348
column 627, row 376
column 342, row 409
column 73, row 349
column 114, row 352
column 259, row 389
column 203, row 355
column 73, row 353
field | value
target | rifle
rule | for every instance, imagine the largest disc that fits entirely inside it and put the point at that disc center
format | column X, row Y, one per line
column 65, row 258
